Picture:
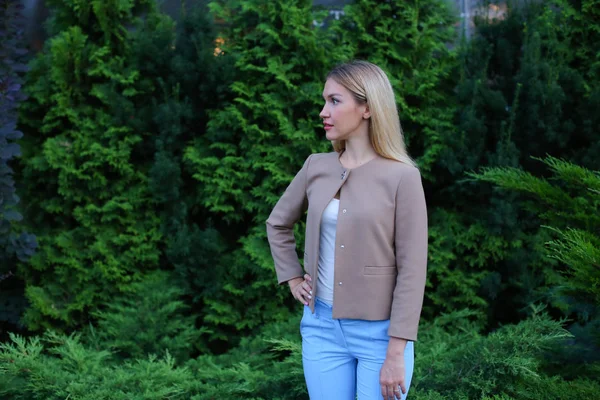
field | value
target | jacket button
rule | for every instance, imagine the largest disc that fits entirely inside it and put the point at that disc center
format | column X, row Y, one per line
column 342, row 246
column 340, row 283
column 344, row 211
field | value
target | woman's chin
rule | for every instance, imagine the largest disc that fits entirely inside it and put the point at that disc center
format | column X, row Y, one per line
column 331, row 136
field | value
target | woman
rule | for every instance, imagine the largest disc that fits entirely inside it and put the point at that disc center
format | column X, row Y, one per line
column 365, row 247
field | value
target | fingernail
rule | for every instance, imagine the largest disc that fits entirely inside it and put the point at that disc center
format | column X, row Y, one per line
column 310, row 297
column 310, row 291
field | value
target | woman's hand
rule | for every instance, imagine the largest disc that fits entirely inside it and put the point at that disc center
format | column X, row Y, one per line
column 392, row 374
column 301, row 288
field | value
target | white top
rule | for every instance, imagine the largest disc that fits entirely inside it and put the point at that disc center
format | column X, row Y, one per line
column 327, row 251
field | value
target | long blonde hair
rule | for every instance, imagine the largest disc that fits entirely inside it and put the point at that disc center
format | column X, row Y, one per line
column 369, row 84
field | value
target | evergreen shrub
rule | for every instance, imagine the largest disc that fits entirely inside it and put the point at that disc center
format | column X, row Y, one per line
column 453, row 361
column 150, row 319
column 568, row 203
column 252, row 148
column 85, row 185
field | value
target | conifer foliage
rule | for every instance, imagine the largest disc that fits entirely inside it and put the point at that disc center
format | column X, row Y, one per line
column 255, row 144
column 154, row 150
column 568, row 204
column 454, row 362
column 524, row 90
column 86, row 189
column 184, row 80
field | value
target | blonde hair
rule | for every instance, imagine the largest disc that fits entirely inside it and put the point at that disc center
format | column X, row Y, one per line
column 369, row 84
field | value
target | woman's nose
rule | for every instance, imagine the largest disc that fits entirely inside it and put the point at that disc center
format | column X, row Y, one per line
column 324, row 113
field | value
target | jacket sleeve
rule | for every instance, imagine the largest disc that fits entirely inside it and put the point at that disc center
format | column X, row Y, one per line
column 280, row 226
column 411, row 256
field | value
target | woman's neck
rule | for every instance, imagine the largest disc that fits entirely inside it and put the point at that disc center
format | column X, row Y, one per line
column 358, row 151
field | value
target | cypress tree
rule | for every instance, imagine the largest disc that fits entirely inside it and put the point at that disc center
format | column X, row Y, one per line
column 86, row 191
column 183, row 79
column 521, row 93
column 568, row 204
column 255, row 144
column 151, row 319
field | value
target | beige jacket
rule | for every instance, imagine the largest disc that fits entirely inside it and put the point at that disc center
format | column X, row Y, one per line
column 381, row 238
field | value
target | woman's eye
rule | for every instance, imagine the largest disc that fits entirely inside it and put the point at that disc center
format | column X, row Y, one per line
column 334, row 101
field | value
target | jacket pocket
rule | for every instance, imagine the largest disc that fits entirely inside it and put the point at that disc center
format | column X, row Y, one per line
column 372, row 270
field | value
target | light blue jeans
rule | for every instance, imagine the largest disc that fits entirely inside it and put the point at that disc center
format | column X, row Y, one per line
column 342, row 358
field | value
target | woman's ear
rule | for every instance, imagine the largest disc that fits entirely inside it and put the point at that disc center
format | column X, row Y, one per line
column 367, row 113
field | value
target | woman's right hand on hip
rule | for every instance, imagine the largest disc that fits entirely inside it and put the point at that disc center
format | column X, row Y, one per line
column 301, row 288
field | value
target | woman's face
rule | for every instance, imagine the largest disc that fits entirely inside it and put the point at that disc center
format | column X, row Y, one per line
column 343, row 117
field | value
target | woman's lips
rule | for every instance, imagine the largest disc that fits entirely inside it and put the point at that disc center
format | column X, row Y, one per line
column 327, row 126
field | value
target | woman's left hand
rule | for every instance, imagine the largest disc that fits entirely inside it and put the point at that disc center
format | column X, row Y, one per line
column 391, row 377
